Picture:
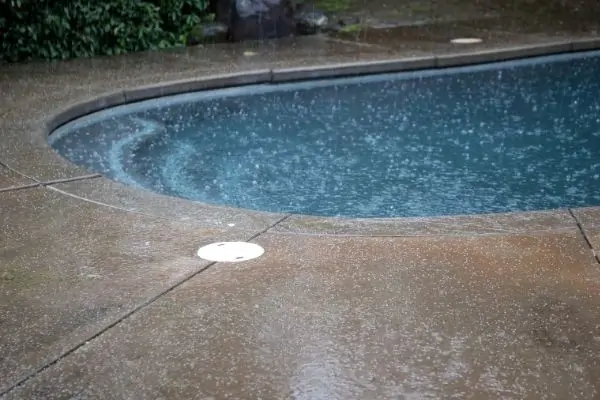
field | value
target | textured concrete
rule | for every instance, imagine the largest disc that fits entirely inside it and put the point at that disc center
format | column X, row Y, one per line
column 99, row 296
column 438, row 37
column 70, row 267
column 350, row 69
column 359, row 318
column 123, row 197
column 593, row 235
column 10, row 179
column 488, row 224
column 496, row 32
column 588, row 216
column 589, row 220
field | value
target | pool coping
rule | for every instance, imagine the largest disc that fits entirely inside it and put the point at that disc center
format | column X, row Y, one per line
column 494, row 223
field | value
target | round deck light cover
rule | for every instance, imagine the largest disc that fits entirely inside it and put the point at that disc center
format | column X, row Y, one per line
column 230, row 251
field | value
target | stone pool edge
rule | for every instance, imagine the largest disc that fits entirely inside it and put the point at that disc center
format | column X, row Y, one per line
column 504, row 223
column 327, row 71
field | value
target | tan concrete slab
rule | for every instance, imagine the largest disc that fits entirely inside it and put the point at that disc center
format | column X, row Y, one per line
column 583, row 23
column 87, row 71
column 68, row 268
column 131, row 70
column 428, row 35
column 589, row 217
column 10, row 179
column 23, row 146
column 359, row 318
column 483, row 224
column 507, row 32
column 436, row 38
column 112, row 193
column 593, row 235
column 261, row 54
column 123, row 71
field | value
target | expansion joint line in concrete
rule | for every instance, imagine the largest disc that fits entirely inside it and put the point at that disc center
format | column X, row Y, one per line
column 19, row 187
column 8, row 167
column 73, row 179
column 128, row 314
column 38, row 184
column 585, row 236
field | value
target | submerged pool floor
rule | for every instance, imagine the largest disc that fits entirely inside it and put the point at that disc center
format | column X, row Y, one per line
column 513, row 136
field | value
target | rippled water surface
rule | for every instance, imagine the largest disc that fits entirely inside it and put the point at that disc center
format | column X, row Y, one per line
column 513, row 136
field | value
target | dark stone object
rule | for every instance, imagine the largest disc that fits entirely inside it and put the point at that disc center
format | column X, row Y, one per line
column 267, row 19
column 310, row 21
column 214, row 32
column 255, row 19
column 261, row 19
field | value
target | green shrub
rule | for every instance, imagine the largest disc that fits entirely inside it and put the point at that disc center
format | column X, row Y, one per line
column 61, row 29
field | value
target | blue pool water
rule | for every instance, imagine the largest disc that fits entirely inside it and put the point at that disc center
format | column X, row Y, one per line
column 513, row 136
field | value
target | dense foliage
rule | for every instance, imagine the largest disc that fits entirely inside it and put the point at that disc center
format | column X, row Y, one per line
column 61, row 29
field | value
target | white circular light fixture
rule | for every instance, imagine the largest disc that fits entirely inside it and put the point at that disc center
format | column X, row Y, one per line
column 230, row 251
column 466, row 40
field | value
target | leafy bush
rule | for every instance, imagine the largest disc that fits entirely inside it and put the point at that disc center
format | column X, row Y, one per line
column 61, row 29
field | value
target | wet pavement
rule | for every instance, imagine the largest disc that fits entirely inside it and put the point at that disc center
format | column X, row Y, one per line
column 102, row 295
column 10, row 180
column 345, row 318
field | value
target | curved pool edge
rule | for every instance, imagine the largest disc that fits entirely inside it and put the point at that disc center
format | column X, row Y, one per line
column 114, row 194
column 104, row 191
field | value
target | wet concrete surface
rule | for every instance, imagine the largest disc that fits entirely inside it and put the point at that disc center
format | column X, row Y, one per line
column 593, row 236
column 99, row 297
column 357, row 318
column 106, row 192
column 11, row 179
column 484, row 224
column 588, row 217
column 589, row 221
column 71, row 267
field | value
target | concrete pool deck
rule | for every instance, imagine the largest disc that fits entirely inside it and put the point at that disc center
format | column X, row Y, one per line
column 102, row 295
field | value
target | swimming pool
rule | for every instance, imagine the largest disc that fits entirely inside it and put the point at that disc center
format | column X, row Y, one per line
column 511, row 136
